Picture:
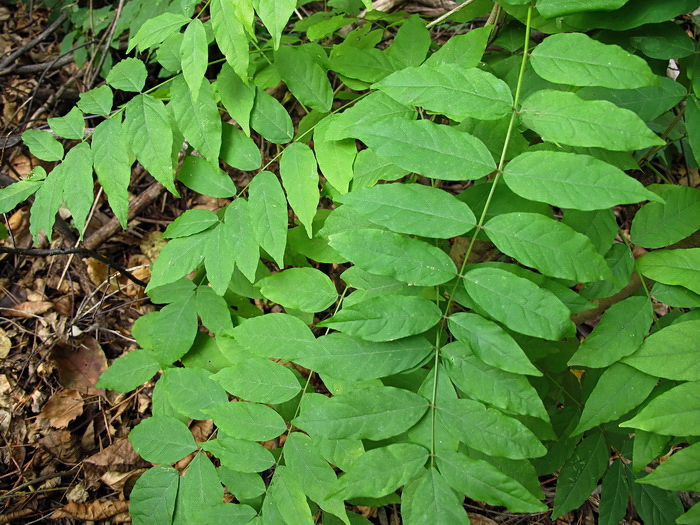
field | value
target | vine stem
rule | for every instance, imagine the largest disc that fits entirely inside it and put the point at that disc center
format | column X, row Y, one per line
column 479, row 226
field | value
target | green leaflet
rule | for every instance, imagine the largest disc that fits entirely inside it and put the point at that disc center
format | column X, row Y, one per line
column 381, row 471
column 491, row 343
column 450, row 90
column 578, row 60
column 212, row 308
column 300, row 179
column 613, row 495
column 205, row 178
column 194, row 55
column 386, row 317
column 197, row 117
column 250, row 421
column 386, row 253
column 567, row 119
column 580, row 474
column 306, row 80
column 667, row 353
column 110, row 155
column 334, row 157
column 376, row 412
column 157, row 29
column 78, row 185
column 219, row 268
column 554, row 8
column 305, row 289
column 653, row 504
column 259, row 380
column 274, row 335
column 270, row 119
column 129, row 371
column 178, row 258
column 619, row 389
column 315, row 475
column 275, row 14
column 679, row 472
column 673, row 413
column 673, row 267
column 238, row 150
column 190, row 222
column 128, row 75
column 12, row 195
column 98, row 100
column 192, row 392
column 153, row 496
column 412, row 209
column 162, row 439
column 619, row 333
column 464, row 50
column 488, row 430
column 199, row 487
column 633, row 15
column 547, row 245
column 501, row 389
column 246, row 485
column 268, row 214
column 483, row 481
column 367, row 65
column 230, row 35
column 286, row 501
column 236, row 96
column 351, row 358
column 411, row 43
column 244, row 456
column 429, row 499
column 47, row 201
column 240, row 232
column 660, row 224
column 148, row 125
column 70, row 126
column 568, row 180
column 433, row 150
column 600, row 226
column 518, row 303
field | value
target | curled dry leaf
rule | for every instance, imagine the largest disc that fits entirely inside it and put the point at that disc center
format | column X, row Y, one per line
column 62, row 408
column 93, row 511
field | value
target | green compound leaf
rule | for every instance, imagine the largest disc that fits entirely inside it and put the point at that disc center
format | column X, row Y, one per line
column 98, row 100
column 567, row 119
column 433, row 150
column 149, row 127
column 376, row 412
column 386, row 317
column 667, row 353
column 241, row 455
column 178, row 258
column 274, row 15
column 194, row 56
column 47, row 201
column 306, row 80
column 275, row 335
column 162, row 439
column 568, row 180
column 128, row 75
column 550, row 246
column 619, row 333
column 230, row 35
column 237, row 97
column 386, row 253
column 270, row 119
column 367, row 65
column 305, row 289
column 110, row 153
column 660, row 224
column 197, row 117
column 259, row 380
column 192, row 392
column 354, row 359
column 250, row 421
column 300, row 179
column 619, row 389
column 286, row 501
column 43, row 145
column 413, row 209
column 580, row 474
column 199, row 487
column 78, row 184
column 153, row 496
column 483, row 481
column 129, row 371
column 411, row 43
column 156, row 30
column 673, row 413
column 488, row 430
column 501, row 389
column 679, row 472
column 70, row 126
column 381, row 471
column 429, row 499
column 491, row 343
column 203, row 177
column 578, row 60
column 673, row 267
column 464, row 50
column 245, row 485
column 212, row 308
column 518, row 303
column 450, row 90
column 268, row 214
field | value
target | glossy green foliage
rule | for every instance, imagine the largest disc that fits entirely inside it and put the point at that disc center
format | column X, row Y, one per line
column 419, row 240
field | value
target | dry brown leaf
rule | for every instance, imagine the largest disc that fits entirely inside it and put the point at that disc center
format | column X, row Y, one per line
column 80, row 366
column 62, row 445
column 93, row 511
column 61, row 409
column 478, row 519
column 151, row 245
column 5, row 344
column 118, row 457
column 28, row 309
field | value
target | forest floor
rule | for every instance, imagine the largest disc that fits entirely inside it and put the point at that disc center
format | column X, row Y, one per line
column 64, row 452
